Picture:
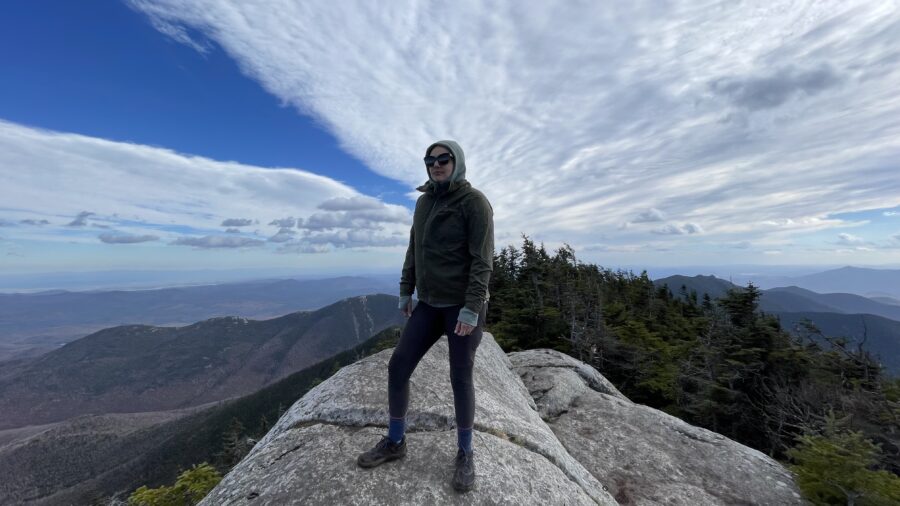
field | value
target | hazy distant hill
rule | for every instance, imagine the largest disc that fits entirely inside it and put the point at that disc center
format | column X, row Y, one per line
column 883, row 334
column 785, row 299
column 886, row 300
column 841, row 302
column 35, row 323
column 90, row 457
column 836, row 314
column 712, row 285
column 857, row 280
column 145, row 368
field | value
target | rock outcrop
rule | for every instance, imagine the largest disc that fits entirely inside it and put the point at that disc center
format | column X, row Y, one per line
column 645, row 456
column 583, row 442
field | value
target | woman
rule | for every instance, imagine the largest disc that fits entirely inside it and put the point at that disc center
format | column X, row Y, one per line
column 449, row 263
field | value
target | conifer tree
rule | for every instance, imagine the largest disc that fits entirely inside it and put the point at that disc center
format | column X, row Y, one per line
column 836, row 467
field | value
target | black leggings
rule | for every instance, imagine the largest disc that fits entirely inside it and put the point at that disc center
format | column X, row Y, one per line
column 423, row 329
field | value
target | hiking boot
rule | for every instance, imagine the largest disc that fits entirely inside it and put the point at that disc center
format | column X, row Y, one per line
column 464, row 476
column 383, row 451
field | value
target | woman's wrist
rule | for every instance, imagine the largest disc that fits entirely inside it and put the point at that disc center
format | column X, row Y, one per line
column 468, row 317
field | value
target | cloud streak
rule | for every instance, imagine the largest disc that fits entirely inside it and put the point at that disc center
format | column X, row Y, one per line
column 720, row 119
column 142, row 194
column 125, row 238
column 218, row 241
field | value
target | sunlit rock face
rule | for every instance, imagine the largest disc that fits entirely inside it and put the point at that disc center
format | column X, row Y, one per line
column 642, row 455
column 525, row 452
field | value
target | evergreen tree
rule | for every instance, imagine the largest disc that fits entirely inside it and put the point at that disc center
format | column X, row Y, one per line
column 836, row 467
column 190, row 488
column 233, row 448
column 720, row 364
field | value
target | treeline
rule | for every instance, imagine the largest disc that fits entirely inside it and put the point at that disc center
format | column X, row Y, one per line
column 827, row 410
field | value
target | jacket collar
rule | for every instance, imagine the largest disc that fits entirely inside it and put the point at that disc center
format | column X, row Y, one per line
column 431, row 187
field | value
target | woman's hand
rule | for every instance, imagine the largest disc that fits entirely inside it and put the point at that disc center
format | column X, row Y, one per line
column 462, row 329
column 407, row 311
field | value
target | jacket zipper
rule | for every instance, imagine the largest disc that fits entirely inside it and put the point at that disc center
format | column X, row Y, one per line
column 425, row 235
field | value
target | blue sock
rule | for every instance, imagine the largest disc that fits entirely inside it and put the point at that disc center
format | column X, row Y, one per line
column 396, row 427
column 464, row 438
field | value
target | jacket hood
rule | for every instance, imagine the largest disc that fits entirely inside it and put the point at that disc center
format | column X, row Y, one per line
column 459, row 166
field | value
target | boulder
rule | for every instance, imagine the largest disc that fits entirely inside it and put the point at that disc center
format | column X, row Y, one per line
column 646, row 456
column 549, row 429
column 309, row 456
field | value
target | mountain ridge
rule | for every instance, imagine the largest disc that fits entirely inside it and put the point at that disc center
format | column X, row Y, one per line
column 146, row 368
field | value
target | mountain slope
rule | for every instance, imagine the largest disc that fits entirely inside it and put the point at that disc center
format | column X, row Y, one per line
column 137, row 368
column 90, row 457
column 712, row 285
column 836, row 314
column 883, row 334
column 858, row 280
column 47, row 319
column 841, row 302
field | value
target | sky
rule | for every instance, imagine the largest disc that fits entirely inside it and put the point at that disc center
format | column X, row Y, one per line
column 285, row 135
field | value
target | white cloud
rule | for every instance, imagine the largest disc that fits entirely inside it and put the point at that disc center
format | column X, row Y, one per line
column 80, row 220
column 283, row 235
column 35, row 222
column 136, row 192
column 237, row 222
column 683, row 229
column 351, row 204
column 218, row 241
column 850, row 239
column 650, row 215
column 126, row 238
column 577, row 119
column 284, row 222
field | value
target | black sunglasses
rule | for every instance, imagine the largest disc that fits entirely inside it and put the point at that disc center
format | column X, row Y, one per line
column 442, row 159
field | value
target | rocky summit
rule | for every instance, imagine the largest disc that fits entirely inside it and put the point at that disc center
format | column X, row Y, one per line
column 549, row 429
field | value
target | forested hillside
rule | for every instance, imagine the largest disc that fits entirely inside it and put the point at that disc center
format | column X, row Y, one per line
column 719, row 364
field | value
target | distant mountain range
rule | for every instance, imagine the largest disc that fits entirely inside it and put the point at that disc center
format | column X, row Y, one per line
column 135, row 368
column 34, row 323
column 836, row 314
column 87, row 459
column 857, row 280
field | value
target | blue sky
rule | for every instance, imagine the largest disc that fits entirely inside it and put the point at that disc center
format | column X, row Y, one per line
column 100, row 69
column 175, row 135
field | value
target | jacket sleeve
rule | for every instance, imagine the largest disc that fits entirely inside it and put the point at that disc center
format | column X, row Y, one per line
column 480, row 230
column 408, row 274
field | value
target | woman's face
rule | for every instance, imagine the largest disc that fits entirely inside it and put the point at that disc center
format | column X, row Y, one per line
column 438, row 173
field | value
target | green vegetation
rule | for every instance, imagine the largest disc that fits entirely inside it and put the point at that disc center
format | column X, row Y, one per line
column 191, row 486
column 716, row 363
column 826, row 411
column 836, row 467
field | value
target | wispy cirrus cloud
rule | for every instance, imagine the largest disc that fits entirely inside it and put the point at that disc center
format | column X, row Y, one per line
column 142, row 194
column 768, row 91
column 723, row 118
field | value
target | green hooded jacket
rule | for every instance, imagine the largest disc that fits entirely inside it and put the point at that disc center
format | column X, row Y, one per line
column 451, row 243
